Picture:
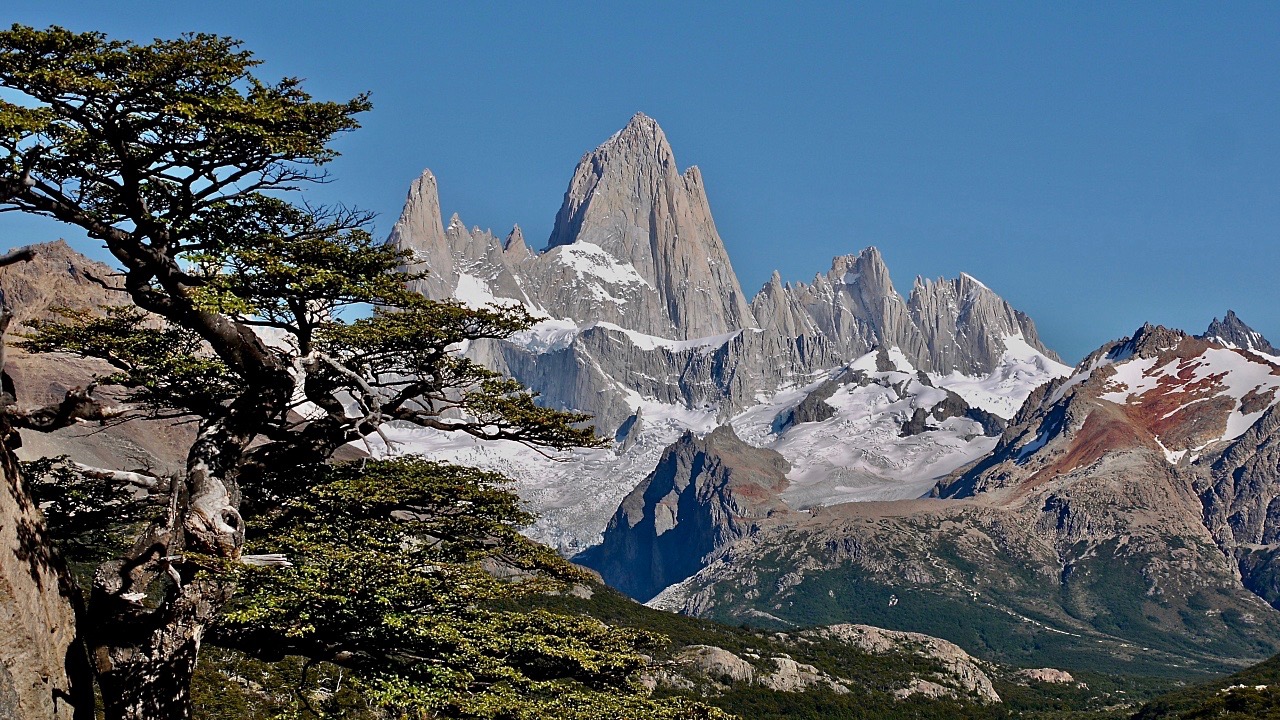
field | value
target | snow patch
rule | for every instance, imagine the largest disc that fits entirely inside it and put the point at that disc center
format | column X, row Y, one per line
column 1132, row 378
column 573, row 493
column 476, row 293
column 1236, row 373
column 1021, row 369
column 827, row 468
column 592, row 261
column 974, row 280
column 549, row 335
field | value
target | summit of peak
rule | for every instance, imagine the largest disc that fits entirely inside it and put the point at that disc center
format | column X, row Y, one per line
column 515, row 237
column 642, row 120
column 424, row 184
column 966, row 277
column 641, row 136
column 1233, row 331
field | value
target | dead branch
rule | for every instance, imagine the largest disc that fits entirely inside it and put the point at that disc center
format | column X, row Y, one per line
column 79, row 405
column 138, row 479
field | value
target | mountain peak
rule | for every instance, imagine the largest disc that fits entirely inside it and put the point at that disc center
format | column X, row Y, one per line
column 640, row 140
column 642, row 122
column 420, row 230
column 628, row 199
column 1149, row 341
column 1233, row 331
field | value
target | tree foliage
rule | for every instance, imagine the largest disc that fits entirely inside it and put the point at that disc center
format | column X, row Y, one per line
column 184, row 164
column 405, row 571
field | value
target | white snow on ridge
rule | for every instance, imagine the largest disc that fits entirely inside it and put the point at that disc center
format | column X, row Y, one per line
column 1021, row 369
column 1242, row 377
column 589, row 259
column 653, row 342
column 1234, row 373
column 547, row 335
column 573, row 493
column 1133, row 378
column 974, row 280
column 828, row 467
column 474, row 292
column 553, row 334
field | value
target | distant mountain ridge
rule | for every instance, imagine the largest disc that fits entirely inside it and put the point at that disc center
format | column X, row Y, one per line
column 1133, row 502
column 647, row 329
column 635, row 259
column 1233, row 332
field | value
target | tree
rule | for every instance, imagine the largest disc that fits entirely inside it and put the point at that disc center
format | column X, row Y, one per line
column 184, row 164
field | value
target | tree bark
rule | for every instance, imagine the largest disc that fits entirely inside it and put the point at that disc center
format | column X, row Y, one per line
column 145, row 668
column 145, row 649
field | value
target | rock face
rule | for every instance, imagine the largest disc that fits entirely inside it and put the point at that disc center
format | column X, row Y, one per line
column 634, row 245
column 1232, row 332
column 704, row 494
column 629, row 200
column 61, row 277
column 56, row 277
column 717, row 664
column 958, row 669
column 938, row 669
column 44, row 672
column 1052, row 676
column 945, row 326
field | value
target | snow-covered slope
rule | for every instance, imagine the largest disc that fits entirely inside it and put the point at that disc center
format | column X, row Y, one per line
column 1160, row 394
column 858, row 453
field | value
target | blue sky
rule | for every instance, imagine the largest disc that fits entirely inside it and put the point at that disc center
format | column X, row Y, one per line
column 1098, row 164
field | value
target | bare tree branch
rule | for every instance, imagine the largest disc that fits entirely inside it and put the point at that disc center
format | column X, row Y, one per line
column 142, row 480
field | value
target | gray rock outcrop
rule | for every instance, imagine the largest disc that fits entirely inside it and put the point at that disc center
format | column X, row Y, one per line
column 791, row 676
column 716, row 663
column 960, row 671
column 1233, row 332
column 1051, row 676
column 704, row 494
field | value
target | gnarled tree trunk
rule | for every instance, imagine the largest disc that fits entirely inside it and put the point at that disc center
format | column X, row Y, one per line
column 149, row 611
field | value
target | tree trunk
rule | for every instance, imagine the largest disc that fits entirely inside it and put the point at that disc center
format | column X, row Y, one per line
column 43, row 669
column 145, row 651
column 145, row 673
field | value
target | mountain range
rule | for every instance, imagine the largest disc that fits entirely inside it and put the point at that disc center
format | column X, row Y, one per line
column 645, row 327
column 845, row 470
column 833, row 451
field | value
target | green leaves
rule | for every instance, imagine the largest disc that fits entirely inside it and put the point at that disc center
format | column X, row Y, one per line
column 164, row 367
column 142, row 137
column 398, row 570
column 260, row 258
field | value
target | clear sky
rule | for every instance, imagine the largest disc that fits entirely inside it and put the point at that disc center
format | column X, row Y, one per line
column 1097, row 164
